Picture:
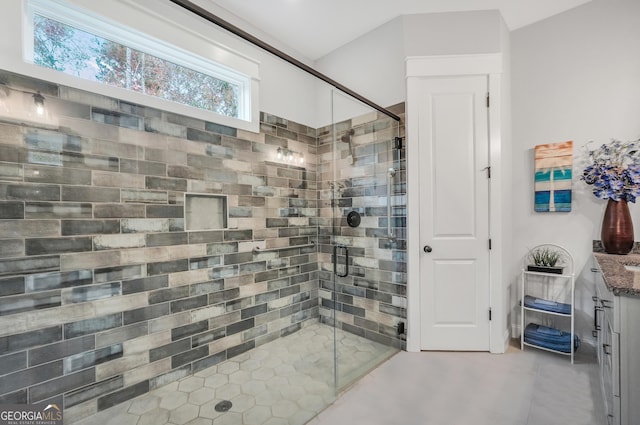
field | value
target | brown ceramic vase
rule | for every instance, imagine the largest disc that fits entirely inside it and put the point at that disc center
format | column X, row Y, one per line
column 617, row 228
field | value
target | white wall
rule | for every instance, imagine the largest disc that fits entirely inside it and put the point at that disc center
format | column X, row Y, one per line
column 374, row 64
column 239, row 22
column 576, row 76
column 453, row 33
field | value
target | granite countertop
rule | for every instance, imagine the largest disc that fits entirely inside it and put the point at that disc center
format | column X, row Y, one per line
column 620, row 280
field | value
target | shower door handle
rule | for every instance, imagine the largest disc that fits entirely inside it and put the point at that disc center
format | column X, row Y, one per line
column 335, row 260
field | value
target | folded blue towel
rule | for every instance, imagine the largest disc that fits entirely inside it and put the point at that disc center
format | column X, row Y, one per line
column 562, row 347
column 546, row 305
column 539, row 331
column 553, row 339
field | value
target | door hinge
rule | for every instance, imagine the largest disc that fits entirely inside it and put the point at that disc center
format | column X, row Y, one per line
column 488, row 100
column 489, row 313
column 489, row 243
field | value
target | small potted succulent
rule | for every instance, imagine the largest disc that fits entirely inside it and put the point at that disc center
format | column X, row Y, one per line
column 545, row 260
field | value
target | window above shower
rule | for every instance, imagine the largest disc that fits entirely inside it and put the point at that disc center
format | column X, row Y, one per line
column 83, row 54
column 119, row 51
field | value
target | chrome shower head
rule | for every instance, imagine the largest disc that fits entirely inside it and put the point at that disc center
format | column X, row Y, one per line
column 346, row 138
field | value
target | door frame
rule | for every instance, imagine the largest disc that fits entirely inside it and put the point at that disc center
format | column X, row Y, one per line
column 490, row 65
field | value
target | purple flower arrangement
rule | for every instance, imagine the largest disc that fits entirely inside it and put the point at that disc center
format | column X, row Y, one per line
column 614, row 171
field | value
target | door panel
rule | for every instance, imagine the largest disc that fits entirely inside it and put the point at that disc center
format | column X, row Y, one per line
column 454, row 213
column 451, row 278
column 453, row 172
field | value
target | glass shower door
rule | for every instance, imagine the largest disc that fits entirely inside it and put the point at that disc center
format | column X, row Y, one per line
column 354, row 153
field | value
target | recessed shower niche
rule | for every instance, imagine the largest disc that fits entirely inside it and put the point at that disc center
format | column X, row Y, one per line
column 205, row 212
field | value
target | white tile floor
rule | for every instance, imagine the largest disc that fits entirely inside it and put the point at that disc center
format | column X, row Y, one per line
column 530, row 387
column 284, row 382
column 289, row 381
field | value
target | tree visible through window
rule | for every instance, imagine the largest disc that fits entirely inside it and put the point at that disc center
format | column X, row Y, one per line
column 64, row 48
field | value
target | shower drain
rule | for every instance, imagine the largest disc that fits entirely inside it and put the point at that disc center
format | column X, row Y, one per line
column 223, row 406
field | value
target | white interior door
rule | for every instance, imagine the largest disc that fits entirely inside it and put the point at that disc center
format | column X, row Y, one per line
column 454, row 213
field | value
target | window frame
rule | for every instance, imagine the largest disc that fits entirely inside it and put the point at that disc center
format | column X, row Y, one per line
column 239, row 69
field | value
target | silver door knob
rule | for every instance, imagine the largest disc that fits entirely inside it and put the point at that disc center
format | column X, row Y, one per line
column 427, row 249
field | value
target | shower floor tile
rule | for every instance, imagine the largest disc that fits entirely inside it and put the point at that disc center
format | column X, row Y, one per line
column 287, row 381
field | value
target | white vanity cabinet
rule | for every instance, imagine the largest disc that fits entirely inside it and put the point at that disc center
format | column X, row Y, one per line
column 617, row 329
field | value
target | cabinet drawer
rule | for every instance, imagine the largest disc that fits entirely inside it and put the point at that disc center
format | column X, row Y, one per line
column 615, row 363
column 606, row 353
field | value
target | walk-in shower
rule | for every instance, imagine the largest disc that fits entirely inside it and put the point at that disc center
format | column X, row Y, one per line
column 128, row 312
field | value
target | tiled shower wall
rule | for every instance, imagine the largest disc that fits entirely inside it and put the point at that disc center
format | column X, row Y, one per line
column 371, row 300
column 105, row 295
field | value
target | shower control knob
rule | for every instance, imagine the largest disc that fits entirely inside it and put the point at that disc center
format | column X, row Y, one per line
column 427, row 249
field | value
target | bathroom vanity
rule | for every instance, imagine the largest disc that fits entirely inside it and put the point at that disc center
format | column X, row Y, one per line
column 617, row 329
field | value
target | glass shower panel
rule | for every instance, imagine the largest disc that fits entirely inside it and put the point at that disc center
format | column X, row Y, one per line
column 355, row 153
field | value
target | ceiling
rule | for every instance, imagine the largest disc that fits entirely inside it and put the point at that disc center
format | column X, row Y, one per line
column 314, row 28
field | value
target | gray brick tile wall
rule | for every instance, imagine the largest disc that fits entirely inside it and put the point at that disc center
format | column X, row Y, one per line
column 105, row 295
